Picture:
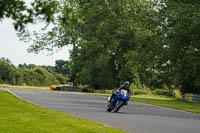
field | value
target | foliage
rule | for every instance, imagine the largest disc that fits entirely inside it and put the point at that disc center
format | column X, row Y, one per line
column 162, row 92
column 50, row 69
column 170, row 52
column 140, row 92
column 62, row 79
column 8, row 73
column 39, row 77
column 22, row 14
column 181, row 41
column 26, row 66
column 62, row 67
column 28, row 75
column 177, row 94
column 98, row 57
column 152, row 43
column 143, row 90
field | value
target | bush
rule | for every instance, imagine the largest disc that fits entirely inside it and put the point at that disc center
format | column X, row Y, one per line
column 61, row 78
column 133, row 87
column 177, row 94
column 148, row 90
column 140, row 92
column 39, row 77
column 162, row 92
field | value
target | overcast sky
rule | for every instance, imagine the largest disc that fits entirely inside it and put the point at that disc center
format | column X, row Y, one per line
column 15, row 50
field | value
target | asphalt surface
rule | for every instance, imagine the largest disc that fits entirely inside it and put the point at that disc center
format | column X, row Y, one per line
column 135, row 118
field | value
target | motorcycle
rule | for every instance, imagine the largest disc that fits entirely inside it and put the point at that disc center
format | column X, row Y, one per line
column 118, row 101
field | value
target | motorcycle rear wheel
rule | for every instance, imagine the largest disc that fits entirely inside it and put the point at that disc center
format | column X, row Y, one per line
column 108, row 108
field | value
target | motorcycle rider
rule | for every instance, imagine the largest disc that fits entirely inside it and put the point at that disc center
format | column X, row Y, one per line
column 126, row 86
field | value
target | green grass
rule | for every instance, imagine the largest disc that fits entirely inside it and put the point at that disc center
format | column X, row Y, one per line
column 159, row 97
column 17, row 116
column 168, row 102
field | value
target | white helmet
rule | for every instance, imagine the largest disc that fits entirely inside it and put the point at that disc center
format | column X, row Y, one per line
column 127, row 83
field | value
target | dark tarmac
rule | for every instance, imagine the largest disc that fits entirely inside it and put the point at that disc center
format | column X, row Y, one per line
column 134, row 118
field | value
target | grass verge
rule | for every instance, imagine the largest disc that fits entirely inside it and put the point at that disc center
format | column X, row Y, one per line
column 168, row 102
column 17, row 116
column 32, row 88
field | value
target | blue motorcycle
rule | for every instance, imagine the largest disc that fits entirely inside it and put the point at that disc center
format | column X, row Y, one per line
column 118, row 101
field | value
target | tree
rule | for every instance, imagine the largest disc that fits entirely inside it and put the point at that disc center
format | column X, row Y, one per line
column 50, row 69
column 22, row 14
column 62, row 67
column 7, row 71
column 139, row 41
column 27, row 74
column 61, row 78
column 183, row 43
column 26, row 66
column 22, row 66
column 99, row 53
column 39, row 77
column 101, row 38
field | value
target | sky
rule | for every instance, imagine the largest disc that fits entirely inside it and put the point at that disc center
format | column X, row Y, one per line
column 16, row 51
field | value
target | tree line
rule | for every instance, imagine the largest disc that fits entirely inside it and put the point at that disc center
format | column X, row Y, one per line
column 151, row 43
column 33, row 75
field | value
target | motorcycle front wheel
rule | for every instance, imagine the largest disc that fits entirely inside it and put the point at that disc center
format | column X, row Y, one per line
column 118, row 106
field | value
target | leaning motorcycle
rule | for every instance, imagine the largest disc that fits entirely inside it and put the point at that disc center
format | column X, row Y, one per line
column 118, row 101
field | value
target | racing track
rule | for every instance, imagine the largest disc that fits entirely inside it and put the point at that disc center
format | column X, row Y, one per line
column 135, row 118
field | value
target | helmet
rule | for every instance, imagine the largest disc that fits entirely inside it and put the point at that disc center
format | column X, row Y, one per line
column 127, row 83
